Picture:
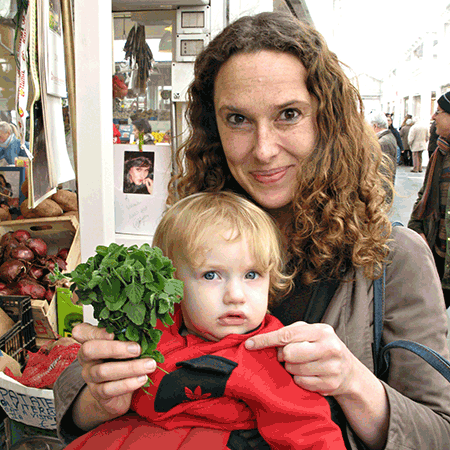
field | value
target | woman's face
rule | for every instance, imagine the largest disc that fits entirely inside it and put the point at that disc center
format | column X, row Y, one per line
column 138, row 174
column 267, row 123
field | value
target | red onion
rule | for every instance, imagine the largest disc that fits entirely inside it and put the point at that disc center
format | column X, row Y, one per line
column 49, row 295
column 35, row 272
column 61, row 263
column 5, row 239
column 8, row 291
column 22, row 252
column 38, row 246
column 11, row 269
column 21, row 235
column 12, row 244
column 27, row 286
column 63, row 253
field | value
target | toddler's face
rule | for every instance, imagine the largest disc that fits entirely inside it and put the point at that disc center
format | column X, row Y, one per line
column 226, row 294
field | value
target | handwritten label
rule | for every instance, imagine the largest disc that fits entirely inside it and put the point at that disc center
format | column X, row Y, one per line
column 20, row 404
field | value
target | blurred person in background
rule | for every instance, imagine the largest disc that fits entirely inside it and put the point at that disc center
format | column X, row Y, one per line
column 431, row 212
column 10, row 146
column 386, row 139
column 404, row 132
column 417, row 139
column 396, row 134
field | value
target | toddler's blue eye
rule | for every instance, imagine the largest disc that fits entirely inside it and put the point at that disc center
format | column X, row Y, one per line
column 209, row 275
column 252, row 275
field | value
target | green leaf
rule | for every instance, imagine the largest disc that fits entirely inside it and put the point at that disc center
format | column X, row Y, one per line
column 134, row 292
column 132, row 333
column 126, row 272
column 109, row 328
column 153, row 318
column 144, row 344
column 102, row 250
column 167, row 320
column 104, row 314
column 173, row 287
column 154, row 334
column 160, row 281
column 136, row 313
column 157, row 356
column 163, row 306
column 95, row 281
column 146, row 275
column 149, row 299
column 117, row 304
column 116, row 287
column 140, row 256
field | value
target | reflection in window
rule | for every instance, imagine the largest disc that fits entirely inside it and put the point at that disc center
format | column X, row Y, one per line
column 151, row 102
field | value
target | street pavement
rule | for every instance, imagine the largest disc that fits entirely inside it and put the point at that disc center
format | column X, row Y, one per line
column 407, row 185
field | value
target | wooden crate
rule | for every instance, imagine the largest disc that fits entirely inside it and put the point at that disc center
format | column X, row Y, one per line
column 57, row 232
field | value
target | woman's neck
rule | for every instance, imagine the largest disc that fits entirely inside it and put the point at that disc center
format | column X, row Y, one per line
column 282, row 216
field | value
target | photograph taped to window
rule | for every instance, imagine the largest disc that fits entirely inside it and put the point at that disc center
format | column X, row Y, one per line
column 138, row 172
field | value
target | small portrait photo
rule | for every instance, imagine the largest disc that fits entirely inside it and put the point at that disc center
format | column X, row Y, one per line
column 138, row 172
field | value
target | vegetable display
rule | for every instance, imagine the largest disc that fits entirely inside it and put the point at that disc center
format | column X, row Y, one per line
column 130, row 289
column 25, row 265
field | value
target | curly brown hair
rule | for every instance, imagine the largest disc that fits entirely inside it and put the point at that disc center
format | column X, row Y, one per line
column 339, row 215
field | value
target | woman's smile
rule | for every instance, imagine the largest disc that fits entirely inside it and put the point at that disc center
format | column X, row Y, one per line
column 270, row 176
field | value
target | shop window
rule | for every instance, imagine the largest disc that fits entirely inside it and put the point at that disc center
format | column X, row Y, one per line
column 149, row 99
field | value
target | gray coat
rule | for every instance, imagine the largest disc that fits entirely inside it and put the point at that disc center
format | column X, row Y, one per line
column 388, row 145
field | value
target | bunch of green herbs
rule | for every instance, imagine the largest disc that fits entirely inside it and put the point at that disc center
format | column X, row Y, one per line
column 130, row 289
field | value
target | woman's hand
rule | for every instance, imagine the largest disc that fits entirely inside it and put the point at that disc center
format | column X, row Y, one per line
column 321, row 362
column 314, row 354
column 110, row 376
column 149, row 184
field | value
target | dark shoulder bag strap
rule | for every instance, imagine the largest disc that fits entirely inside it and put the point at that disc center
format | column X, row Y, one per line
column 381, row 354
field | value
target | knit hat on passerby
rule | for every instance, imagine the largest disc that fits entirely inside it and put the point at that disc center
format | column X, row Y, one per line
column 444, row 102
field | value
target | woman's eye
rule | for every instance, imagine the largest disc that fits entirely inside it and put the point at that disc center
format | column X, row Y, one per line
column 252, row 275
column 235, row 119
column 290, row 114
column 209, row 275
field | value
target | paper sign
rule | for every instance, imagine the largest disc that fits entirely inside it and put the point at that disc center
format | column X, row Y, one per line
column 138, row 210
column 34, row 407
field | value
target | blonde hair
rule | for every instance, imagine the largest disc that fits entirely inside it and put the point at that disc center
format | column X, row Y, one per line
column 187, row 224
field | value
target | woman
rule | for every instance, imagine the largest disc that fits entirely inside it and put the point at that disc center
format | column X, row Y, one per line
column 274, row 117
column 137, row 176
column 142, row 127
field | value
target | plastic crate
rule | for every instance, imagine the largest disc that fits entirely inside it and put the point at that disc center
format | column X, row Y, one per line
column 22, row 336
column 4, row 444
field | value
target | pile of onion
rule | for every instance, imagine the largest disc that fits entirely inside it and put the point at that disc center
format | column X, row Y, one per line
column 25, row 265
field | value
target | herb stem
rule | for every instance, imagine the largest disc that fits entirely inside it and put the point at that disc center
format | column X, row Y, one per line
column 119, row 277
column 162, row 370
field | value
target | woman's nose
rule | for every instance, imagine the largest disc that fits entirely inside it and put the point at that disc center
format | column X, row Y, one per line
column 265, row 144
